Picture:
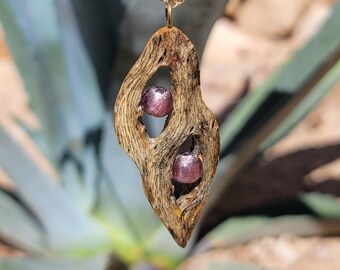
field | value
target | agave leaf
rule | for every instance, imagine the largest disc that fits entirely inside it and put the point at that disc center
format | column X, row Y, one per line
column 101, row 36
column 240, row 118
column 164, row 250
column 36, row 52
column 205, row 263
column 68, row 228
column 126, row 182
column 240, row 230
column 324, row 205
column 82, row 80
column 112, row 216
column 300, row 112
column 90, row 175
column 80, row 174
column 98, row 263
column 263, row 111
column 73, row 185
column 46, row 46
column 18, row 227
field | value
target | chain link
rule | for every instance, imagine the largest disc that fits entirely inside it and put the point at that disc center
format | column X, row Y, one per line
column 173, row 3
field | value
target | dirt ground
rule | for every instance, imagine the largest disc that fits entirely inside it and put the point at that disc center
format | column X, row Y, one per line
column 308, row 159
column 285, row 252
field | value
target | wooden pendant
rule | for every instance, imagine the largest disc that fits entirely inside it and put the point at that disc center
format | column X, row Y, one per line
column 190, row 117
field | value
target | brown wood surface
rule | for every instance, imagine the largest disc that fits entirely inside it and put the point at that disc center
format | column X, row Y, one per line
column 155, row 156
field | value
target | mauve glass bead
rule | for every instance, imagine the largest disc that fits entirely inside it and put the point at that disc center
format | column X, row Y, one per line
column 187, row 168
column 157, row 101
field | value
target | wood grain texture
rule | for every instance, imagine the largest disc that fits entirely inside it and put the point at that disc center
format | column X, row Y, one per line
column 190, row 116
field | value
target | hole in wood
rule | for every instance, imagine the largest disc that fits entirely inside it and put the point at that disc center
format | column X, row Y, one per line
column 161, row 77
column 154, row 126
column 157, row 102
column 189, row 149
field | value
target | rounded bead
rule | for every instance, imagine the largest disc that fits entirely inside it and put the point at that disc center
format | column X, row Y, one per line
column 157, row 101
column 187, row 168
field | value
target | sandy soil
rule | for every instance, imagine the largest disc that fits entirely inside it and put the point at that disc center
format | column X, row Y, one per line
column 286, row 252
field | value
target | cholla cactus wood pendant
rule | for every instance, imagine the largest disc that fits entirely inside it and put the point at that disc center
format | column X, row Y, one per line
column 157, row 158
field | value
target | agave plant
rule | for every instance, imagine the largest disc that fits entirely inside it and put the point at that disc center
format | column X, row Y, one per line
column 98, row 207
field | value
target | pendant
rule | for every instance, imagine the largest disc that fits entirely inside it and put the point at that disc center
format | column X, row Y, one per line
column 187, row 116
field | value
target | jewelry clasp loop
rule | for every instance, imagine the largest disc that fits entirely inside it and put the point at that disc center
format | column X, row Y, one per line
column 168, row 14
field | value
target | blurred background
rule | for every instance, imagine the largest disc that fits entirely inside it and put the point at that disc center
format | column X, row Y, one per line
column 70, row 198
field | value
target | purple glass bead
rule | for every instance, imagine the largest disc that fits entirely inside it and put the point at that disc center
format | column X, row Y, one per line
column 187, row 168
column 157, row 101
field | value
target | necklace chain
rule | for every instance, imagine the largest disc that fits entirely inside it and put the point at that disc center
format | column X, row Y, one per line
column 173, row 3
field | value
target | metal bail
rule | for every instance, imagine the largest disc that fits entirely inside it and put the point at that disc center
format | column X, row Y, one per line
column 168, row 14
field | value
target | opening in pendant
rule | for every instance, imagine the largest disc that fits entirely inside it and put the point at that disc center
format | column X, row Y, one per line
column 157, row 102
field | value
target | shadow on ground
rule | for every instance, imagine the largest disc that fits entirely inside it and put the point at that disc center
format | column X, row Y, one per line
column 272, row 187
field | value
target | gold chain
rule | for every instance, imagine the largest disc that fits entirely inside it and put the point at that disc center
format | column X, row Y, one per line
column 173, row 3
column 169, row 5
column 168, row 15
